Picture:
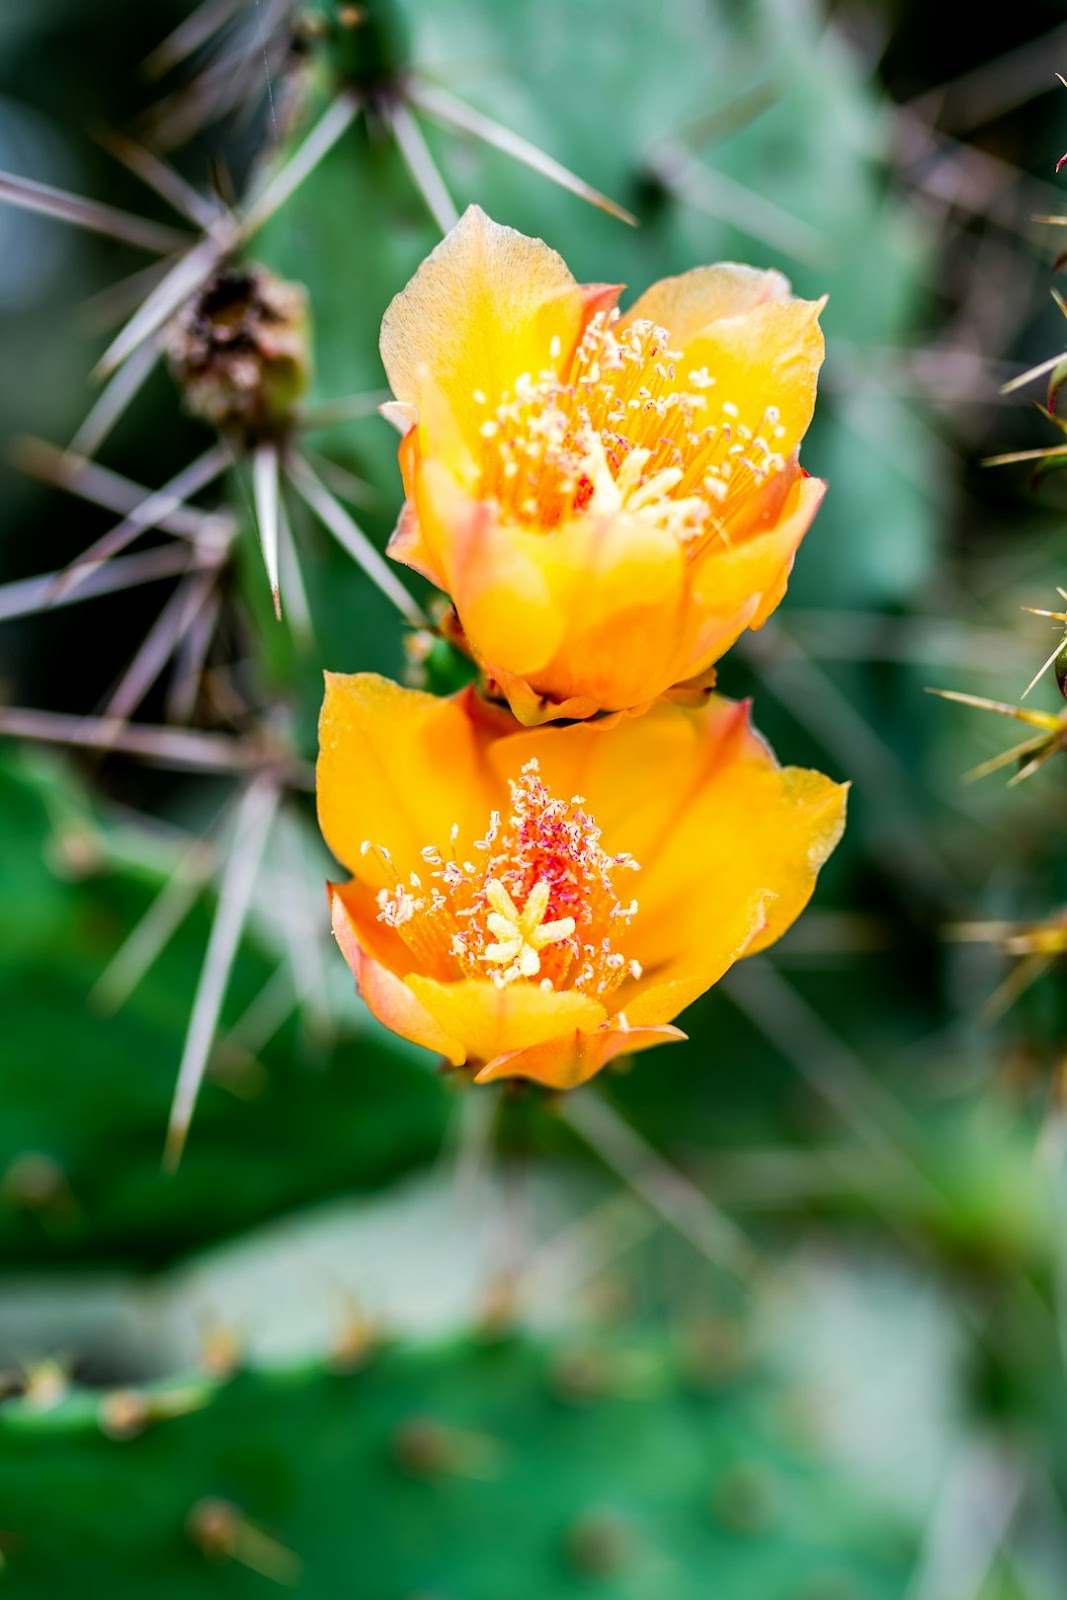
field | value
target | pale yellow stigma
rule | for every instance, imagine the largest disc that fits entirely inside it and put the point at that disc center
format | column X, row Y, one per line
column 521, row 935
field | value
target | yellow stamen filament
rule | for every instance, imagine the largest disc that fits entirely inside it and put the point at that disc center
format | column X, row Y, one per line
column 619, row 433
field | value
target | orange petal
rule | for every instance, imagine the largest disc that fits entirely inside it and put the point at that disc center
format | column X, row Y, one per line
column 727, row 842
column 750, row 830
column 687, row 304
column 482, row 309
column 729, row 934
column 496, row 575
column 493, row 1022
column 618, row 585
column 533, row 709
column 611, row 591
column 634, row 773
column 387, row 996
column 567, row 1062
column 397, row 768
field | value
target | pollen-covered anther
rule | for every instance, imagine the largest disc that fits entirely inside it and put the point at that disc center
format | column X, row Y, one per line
column 623, row 431
column 539, row 905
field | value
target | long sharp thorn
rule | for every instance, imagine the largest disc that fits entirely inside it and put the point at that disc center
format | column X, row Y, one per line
column 204, row 470
column 476, row 1114
column 1033, row 372
column 352, row 538
column 1006, row 758
column 340, row 481
column 1040, row 673
column 302, row 929
column 833, row 1068
column 152, row 932
column 118, row 300
column 267, row 1011
column 348, row 408
column 192, row 653
column 299, row 611
column 29, row 195
column 722, row 197
column 189, row 35
column 29, row 595
column 422, row 167
column 265, row 493
column 179, row 748
column 976, row 932
column 113, row 399
column 252, row 822
column 725, row 120
column 1037, row 719
column 980, row 94
column 323, row 136
column 1052, row 748
column 158, row 646
column 182, row 281
column 115, row 493
column 453, row 113
column 669, row 1192
column 1021, row 977
column 817, row 701
column 1010, row 457
column 202, row 211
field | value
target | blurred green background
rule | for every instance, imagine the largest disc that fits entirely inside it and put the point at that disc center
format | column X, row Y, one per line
column 379, row 1336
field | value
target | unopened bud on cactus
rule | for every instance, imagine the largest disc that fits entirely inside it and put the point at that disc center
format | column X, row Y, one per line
column 239, row 352
column 1059, row 667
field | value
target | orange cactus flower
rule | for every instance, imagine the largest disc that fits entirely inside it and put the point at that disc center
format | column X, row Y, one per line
column 610, row 500
column 537, row 901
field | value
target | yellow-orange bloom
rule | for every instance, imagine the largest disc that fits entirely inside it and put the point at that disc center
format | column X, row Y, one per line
column 536, row 901
column 609, row 500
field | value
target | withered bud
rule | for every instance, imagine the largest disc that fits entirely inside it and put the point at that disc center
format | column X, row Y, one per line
column 238, row 351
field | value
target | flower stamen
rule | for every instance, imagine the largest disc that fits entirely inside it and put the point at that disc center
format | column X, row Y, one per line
column 618, row 434
column 540, row 904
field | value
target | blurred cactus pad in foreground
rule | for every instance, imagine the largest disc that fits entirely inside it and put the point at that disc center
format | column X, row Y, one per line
column 776, row 1314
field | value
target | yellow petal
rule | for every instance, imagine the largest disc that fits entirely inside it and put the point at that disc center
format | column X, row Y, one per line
column 493, row 1022
column 482, row 309
column 738, row 587
column 687, row 304
column 398, row 768
column 770, row 356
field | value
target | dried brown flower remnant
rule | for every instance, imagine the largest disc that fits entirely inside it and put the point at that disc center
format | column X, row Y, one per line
column 238, row 351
